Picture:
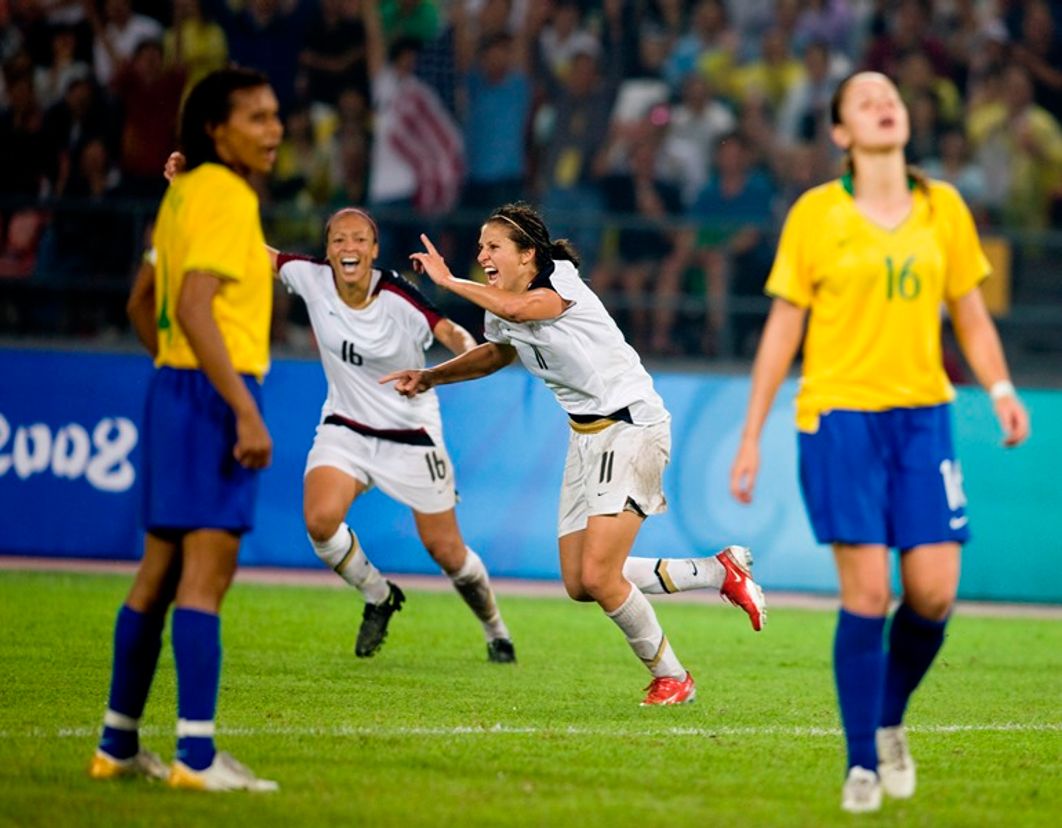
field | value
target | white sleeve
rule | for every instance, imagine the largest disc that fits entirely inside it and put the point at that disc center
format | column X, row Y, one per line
column 493, row 331
column 297, row 275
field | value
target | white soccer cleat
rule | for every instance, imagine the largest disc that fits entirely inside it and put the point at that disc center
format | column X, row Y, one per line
column 738, row 587
column 224, row 774
column 861, row 792
column 144, row 764
column 895, row 765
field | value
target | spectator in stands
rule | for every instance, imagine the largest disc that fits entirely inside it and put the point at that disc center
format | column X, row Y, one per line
column 772, row 76
column 916, row 77
column 24, row 154
column 709, row 45
column 1019, row 144
column 828, row 22
column 118, row 34
column 908, row 31
column 417, row 158
column 1040, row 52
column 150, row 96
column 82, row 114
column 694, row 128
column 725, row 242
column 20, row 235
column 804, row 113
column 88, row 241
column 333, row 55
column 195, row 42
column 924, row 113
column 953, row 164
column 303, row 172
column 497, row 108
column 638, row 194
column 50, row 81
column 414, row 19
column 563, row 38
column 266, row 35
column 571, row 152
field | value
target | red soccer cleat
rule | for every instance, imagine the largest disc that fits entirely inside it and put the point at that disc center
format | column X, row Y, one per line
column 739, row 588
column 668, row 690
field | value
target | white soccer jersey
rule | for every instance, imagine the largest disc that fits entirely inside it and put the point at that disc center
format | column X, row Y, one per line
column 581, row 354
column 359, row 346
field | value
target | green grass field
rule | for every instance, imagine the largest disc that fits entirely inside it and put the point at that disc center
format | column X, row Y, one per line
column 428, row 733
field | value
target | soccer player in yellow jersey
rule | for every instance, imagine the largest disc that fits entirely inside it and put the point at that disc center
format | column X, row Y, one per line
column 205, row 318
column 867, row 261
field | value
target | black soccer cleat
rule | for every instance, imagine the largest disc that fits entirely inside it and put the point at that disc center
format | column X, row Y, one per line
column 501, row 651
column 374, row 621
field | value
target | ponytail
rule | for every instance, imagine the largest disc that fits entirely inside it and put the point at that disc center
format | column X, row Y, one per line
column 563, row 250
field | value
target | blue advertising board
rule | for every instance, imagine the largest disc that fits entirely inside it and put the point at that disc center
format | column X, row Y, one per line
column 69, row 455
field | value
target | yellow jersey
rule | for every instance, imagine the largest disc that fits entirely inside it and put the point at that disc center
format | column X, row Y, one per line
column 208, row 220
column 874, row 297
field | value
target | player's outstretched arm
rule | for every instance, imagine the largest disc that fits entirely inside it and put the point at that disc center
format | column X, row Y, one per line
column 778, row 346
column 980, row 343
column 528, row 306
column 479, row 362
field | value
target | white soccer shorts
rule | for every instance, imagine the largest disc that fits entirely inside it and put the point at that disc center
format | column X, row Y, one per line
column 421, row 477
column 604, row 470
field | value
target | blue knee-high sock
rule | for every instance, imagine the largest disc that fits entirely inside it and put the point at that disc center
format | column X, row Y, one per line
column 914, row 642
column 197, row 652
column 137, row 641
column 859, row 668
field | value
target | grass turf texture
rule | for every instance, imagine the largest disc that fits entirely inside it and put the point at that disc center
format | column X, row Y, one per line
column 428, row 733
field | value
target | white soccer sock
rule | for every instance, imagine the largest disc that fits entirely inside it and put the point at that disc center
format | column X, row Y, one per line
column 656, row 576
column 637, row 619
column 473, row 584
column 344, row 554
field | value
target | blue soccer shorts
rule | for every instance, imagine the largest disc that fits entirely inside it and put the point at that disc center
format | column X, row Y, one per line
column 884, row 477
column 189, row 476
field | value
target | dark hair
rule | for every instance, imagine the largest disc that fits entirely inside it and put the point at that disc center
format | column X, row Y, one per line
column 402, row 45
column 525, row 227
column 209, row 104
column 916, row 175
column 357, row 211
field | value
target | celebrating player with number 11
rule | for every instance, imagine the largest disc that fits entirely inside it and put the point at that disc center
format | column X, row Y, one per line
column 539, row 310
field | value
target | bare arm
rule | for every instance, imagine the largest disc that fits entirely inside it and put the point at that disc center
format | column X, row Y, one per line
column 453, row 337
column 528, row 306
column 980, row 343
column 140, row 308
column 778, row 347
column 375, row 53
column 195, row 315
column 479, row 362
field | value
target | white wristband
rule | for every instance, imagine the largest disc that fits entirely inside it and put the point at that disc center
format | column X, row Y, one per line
column 1002, row 388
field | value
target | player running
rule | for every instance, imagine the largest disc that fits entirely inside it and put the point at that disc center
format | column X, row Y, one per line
column 368, row 322
column 539, row 309
column 868, row 260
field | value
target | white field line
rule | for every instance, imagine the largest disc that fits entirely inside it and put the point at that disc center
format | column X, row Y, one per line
column 339, row 731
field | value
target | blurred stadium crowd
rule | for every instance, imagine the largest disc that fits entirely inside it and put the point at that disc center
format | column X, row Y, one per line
column 666, row 138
